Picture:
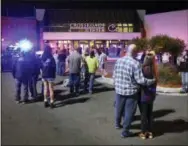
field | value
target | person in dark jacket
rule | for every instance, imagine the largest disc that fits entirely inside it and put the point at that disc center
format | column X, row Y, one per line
column 148, row 96
column 61, row 62
column 182, row 62
column 48, row 75
column 21, row 73
column 35, row 73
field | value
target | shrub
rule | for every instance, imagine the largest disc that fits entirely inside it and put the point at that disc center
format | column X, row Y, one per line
column 164, row 43
column 168, row 75
column 176, row 46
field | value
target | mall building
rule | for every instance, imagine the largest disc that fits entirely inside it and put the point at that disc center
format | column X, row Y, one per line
column 92, row 27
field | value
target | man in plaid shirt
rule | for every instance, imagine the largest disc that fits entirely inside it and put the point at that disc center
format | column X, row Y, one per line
column 128, row 77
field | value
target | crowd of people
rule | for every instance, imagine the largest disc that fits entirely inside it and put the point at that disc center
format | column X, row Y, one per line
column 27, row 68
column 135, row 81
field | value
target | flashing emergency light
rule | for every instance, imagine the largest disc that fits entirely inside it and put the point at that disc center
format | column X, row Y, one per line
column 25, row 45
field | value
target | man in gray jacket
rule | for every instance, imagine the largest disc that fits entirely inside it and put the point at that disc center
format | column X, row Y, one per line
column 74, row 64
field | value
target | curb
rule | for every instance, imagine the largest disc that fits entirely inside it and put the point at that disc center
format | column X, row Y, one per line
column 160, row 90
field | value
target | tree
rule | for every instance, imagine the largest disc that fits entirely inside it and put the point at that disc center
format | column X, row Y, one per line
column 141, row 43
column 164, row 43
column 176, row 46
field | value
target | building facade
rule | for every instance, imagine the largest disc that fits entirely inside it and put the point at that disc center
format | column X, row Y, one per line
column 174, row 24
column 95, row 27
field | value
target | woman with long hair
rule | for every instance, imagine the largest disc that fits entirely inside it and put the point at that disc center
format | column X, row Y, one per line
column 48, row 75
column 148, row 96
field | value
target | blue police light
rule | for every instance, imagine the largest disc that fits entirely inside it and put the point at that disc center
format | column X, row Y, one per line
column 25, row 45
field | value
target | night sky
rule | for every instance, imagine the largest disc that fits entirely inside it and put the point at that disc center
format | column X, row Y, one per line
column 26, row 8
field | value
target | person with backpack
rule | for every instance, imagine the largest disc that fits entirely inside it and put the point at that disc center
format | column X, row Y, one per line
column 182, row 63
column 48, row 75
column 148, row 95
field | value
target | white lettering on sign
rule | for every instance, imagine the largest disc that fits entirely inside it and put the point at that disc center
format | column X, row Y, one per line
column 88, row 27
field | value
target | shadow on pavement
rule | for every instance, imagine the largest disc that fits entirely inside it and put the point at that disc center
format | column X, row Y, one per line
column 59, row 83
column 97, row 76
column 71, row 101
column 95, row 85
column 160, row 127
column 99, row 89
column 102, row 89
column 57, row 92
column 157, row 114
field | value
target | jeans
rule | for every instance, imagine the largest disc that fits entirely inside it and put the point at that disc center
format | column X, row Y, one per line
column 33, row 86
column 139, row 100
column 42, row 88
column 125, row 104
column 146, row 117
column 86, row 80
column 61, row 68
column 19, row 83
column 184, row 77
column 74, row 81
column 90, row 79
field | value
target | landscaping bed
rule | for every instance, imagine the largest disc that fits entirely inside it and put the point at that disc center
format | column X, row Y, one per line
column 168, row 76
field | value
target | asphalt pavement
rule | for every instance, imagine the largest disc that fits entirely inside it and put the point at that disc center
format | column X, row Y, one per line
column 86, row 120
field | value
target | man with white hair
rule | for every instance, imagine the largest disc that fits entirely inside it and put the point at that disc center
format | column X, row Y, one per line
column 128, row 77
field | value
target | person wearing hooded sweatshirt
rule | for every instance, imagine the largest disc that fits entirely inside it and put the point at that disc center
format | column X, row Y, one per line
column 48, row 75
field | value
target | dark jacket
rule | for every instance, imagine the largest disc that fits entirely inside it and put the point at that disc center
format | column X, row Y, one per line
column 49, row 68
column 22, row 68
column 183, row 66
column 36, row 64
column 62, row 57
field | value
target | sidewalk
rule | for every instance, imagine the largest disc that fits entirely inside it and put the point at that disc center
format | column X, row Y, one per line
column 160, row 90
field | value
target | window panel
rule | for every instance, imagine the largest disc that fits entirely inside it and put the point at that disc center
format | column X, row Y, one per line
column 119, row 29
column 124, row 24
column 130, row 24
column 119, row 24
column 130, row 29
column 125, row 29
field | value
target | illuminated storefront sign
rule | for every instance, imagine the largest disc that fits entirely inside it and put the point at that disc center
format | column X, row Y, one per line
column 100, row 27
column 87, row 27
column 93, row 27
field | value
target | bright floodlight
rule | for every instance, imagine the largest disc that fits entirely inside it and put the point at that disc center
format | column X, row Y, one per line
column 25, row 45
